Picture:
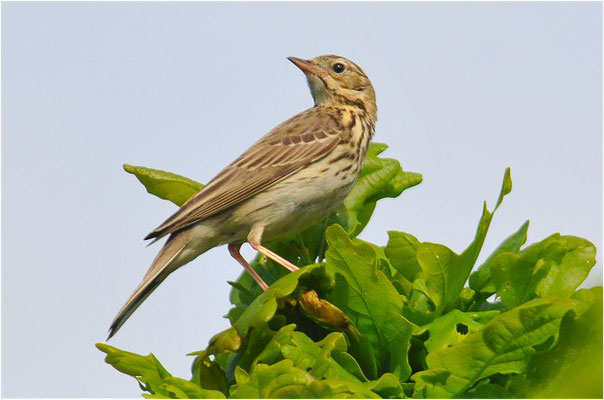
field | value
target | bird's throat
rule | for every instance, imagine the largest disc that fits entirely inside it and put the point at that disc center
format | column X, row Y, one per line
column 320, row 93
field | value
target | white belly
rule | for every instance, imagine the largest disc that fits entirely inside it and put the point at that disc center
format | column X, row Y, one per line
column 292, row 205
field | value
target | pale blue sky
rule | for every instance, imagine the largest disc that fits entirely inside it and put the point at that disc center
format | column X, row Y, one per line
column 464, row 90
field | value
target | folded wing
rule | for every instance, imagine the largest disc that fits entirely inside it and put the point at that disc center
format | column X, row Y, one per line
column 288, row 148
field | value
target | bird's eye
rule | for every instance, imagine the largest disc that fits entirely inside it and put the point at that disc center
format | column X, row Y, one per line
column 339, row 68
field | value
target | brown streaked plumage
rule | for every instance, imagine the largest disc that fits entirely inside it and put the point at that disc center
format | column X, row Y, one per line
column 293, row 177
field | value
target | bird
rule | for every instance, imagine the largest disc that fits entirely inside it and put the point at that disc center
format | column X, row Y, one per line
column 294, row 176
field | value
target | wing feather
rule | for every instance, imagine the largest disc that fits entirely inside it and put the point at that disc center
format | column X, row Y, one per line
column 289, row 147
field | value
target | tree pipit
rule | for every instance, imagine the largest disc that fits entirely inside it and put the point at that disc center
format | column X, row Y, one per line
column 293, row 177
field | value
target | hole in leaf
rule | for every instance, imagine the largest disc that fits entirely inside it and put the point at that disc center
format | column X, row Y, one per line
column 461, row 328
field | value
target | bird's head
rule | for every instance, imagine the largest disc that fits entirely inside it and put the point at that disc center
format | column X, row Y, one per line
column 335, row 80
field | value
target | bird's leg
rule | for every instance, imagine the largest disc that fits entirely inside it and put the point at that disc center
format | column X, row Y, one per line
column 254, row 239
column 234, row 251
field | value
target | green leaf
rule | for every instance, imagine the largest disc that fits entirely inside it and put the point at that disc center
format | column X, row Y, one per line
column 401, row 250
column 566, row 274
column 264, row 307
column 503, row 346
column 516, row 277
column 284, row 380
column 488, row 391
column 480, row 280
column 267, row 312
column 573, row 367
column 146, row 369
column 368, row 298
column 554, row 267
column 445, row 272
column 165, row 185
column 293, row 366
column 227, row 340
column 152, row 376
column 210, row 375
column 379, row 178
column 453, row 327
column 506, row 187
column 426, row 382
column 306, row 354
column 183, row 389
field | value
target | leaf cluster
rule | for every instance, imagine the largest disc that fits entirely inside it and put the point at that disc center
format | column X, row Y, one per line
column 405, row 319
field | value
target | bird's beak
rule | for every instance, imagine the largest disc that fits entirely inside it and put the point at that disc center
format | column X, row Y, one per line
column 307, row 66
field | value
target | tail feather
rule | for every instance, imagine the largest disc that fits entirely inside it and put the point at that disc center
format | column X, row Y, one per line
column 166, row 262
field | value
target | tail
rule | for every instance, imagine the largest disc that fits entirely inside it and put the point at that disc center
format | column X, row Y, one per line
column 170, row 257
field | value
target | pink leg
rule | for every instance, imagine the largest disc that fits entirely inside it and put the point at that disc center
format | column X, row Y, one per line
column 255, row 238
column 234, row 250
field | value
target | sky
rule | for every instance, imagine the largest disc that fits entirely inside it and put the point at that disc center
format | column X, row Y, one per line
column 464, row 90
